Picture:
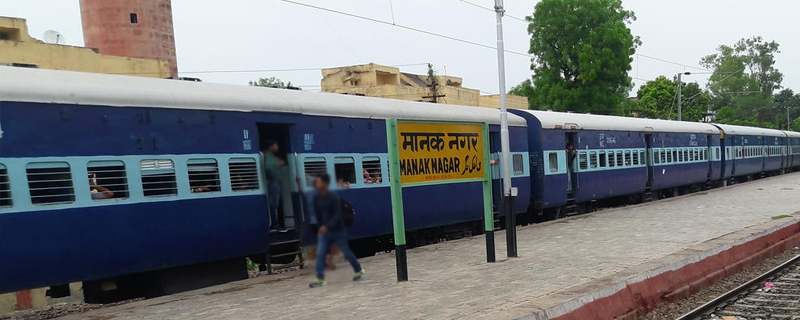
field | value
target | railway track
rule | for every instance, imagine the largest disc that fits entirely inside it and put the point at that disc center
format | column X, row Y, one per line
column 772, row 295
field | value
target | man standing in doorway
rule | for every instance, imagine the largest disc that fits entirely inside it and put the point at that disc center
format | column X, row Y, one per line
column 328, row 208
column 272, row 164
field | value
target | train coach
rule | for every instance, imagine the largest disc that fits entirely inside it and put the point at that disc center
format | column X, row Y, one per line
column 752, row 151
column 183, row 189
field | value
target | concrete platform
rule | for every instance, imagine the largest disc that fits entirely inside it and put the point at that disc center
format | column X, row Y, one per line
column 614, row 263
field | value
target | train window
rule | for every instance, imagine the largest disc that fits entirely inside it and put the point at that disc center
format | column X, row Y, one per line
column 345, row 168
column 680, row 156
column 603, row 159
column 628, row 160
column 641, row 157
column 583, row 161
column 50, row 182
column 593, row 159
column 5, row 188
column 244, row 174
column 686, row 156
column 158, row 178
column 372, row 169
column 518, row 165
column 716, row 153
column 553, row 159
column 612, row 159
column 314, row 167
column 635, row 160
column 662, row 156
column 107, row 180
column 620, row 158
column 203, row 175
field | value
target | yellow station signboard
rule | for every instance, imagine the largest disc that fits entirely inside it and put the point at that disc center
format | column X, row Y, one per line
column 431, row 152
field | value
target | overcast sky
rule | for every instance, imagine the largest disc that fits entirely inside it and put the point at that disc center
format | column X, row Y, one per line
column 259, row 35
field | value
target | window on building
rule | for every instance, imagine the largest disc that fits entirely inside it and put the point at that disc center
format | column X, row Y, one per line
column 372, row 166
column 345, row 168
column 4, row 36
column 203, row 175
column 110, row 175
column 5, row 188
column 313, row 167
column 518, row 165
column 134, row 18
column 583, row 161
column 603, row 159
column 158, row 178
column 244, row 174
column 50, row 183
column 553, row 161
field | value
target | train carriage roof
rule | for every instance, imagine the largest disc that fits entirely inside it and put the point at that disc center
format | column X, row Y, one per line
column 792, row 134
column 565, row 120
column 51, row 86
column 750, row 131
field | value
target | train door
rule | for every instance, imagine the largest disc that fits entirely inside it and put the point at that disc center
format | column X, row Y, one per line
column 734, row 154
column 572, row 155
column 648, row 140
column 497, row 174
column 278, row 180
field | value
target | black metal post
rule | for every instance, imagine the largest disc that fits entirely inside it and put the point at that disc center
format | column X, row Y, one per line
column 511, row 226
column 490, row 246
column 401, row 262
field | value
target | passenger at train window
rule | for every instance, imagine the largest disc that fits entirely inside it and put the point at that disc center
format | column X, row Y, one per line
column 376, row 177
column 272, row 164
column 571, row 154
column 98, row 192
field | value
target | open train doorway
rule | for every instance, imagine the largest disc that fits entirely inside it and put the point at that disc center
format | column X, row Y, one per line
column 571, row 149
column 649, row 156
column 278, row 174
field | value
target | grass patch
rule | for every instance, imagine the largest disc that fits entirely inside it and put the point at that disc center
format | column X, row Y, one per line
column 781, row 217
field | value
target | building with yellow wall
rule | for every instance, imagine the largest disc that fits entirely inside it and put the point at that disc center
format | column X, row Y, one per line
column 375, row 80
column 17, row 47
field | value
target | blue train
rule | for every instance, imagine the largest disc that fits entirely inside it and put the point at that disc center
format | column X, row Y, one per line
column 183, row 197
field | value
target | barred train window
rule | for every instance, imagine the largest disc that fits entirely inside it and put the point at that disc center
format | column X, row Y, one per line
column 109, row 175
column 611, row 159
column 680, row 156
column 5, row 188
column 583, row 162
column 50, row 182
column 519, row 166
column 553, row 159
column 372, row 166
column 203, row 175
column 593, row 159
column 313, row 167
column 636, row 155
column 345, row 168
column 628, row 160
column 158, row 178
column 620, row 160
column 244, row 174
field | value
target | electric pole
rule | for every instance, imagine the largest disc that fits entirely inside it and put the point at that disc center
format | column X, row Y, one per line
column 508, row 199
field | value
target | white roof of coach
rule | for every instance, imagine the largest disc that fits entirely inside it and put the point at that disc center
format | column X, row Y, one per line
column 792, row 134
column 565, row 120
column 50, row 86
column 750, row 131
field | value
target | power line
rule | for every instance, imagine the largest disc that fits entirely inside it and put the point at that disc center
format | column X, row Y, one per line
column 492, row 10
column 406, row 27
column 260, row 70
column 672, row 62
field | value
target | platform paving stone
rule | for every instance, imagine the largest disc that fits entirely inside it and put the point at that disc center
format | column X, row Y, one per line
column 561, row 264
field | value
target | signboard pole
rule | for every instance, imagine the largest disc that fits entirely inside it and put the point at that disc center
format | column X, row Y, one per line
column 398, row 218
column 488, row 210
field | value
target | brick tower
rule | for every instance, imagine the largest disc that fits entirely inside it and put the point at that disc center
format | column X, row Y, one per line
column 131, row 28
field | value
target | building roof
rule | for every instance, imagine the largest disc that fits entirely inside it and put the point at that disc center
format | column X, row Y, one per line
column 49, row 86
column 750, row 131
column 565, row 120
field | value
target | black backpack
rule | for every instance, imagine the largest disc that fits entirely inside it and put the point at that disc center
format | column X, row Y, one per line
column 348, row 213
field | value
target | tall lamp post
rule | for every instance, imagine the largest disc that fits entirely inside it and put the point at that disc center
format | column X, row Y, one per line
column 680, row 99
column 511, row 223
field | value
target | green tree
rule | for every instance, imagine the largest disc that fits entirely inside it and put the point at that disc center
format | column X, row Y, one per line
column 743, row 81
column 657, row 99
column 786, row 99
column 582, row 55
column 271, row 82
column 524, row 89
